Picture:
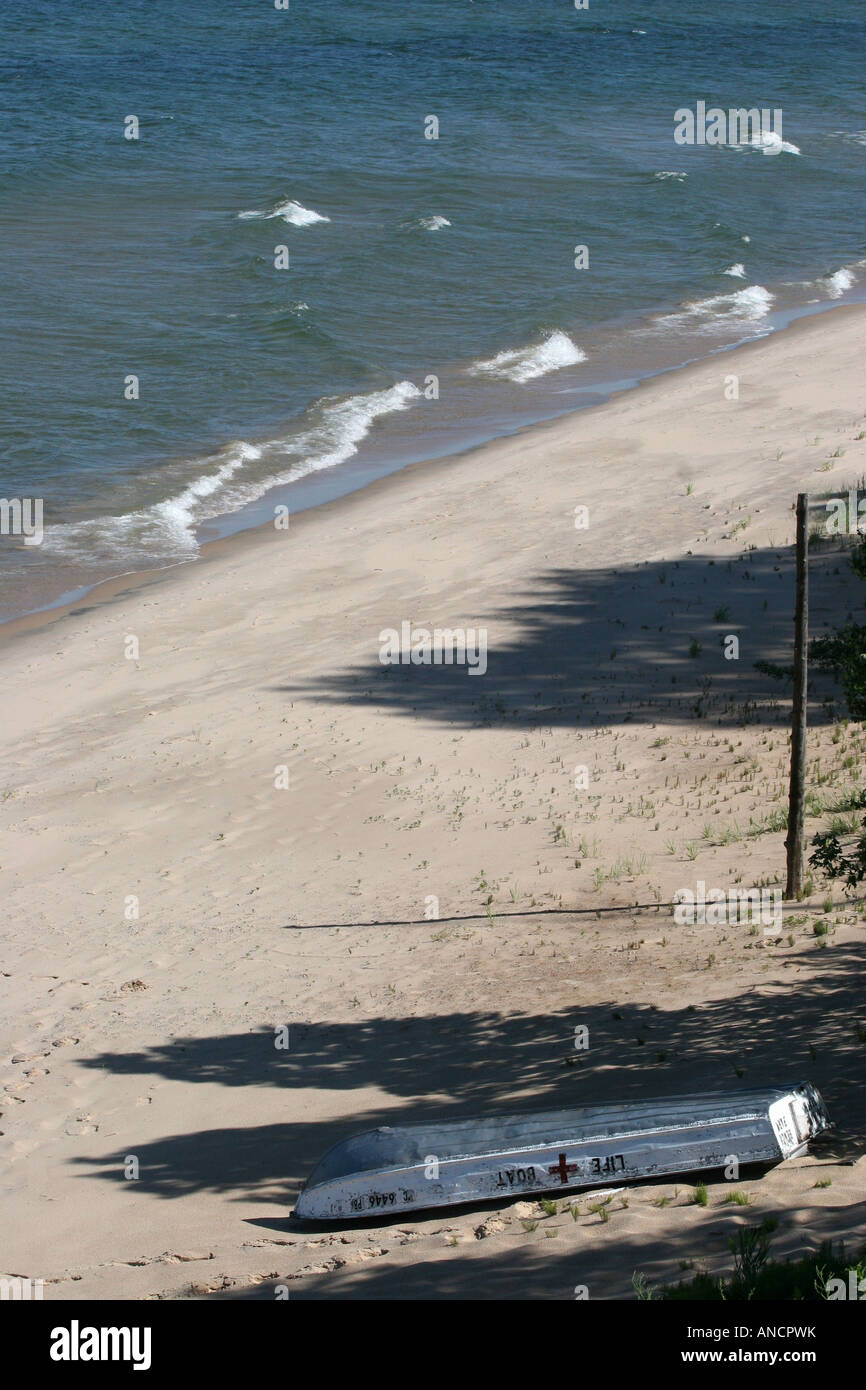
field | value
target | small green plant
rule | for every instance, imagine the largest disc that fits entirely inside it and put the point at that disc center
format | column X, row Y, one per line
column 824, row 1277
column 837, row 855
column 547, row 1206
column 641, row 1288
column 701, row 1197
column 600, row 1209
column 750, row 1247
column 738, row 1199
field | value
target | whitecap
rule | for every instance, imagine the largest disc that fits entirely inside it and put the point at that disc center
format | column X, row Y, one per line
column 671, row 174
column 768, row 142
column 752, row 304
column 524, row 364
column 290, row 211
column 297, row 214
column 434, row 223
column 840, row 281
column 738, row 271
column 741, row 307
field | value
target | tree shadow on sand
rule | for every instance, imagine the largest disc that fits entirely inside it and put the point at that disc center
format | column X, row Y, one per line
column 465, row 1064
column 531, row 1268
column 609, row 646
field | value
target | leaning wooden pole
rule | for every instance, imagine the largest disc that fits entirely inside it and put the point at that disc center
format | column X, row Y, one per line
column 797, row 791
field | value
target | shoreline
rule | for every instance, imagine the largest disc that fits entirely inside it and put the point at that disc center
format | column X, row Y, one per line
column 225, row 547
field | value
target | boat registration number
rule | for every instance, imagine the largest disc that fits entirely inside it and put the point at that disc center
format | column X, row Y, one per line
column 375, row 1201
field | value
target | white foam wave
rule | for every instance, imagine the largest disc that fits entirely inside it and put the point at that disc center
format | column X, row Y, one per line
column 738, row 271
column 290, row 211
column 671, row 174
column 163, row 529
column 178, row 514
column 166, row 529
column 768, row 142
column 434, row 223
column 840, row 281
column 524, row 364
column 740, row 308
column 751, row 304
column 340, row 430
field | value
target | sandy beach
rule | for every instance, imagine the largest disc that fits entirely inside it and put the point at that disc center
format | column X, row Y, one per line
column 221, row 816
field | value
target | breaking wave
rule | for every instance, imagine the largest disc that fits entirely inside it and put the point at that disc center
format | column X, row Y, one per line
column 840, row 281
column 746, row 306
column 524, row 364
column 289, row 211
column 165, row 530
column 768, row 142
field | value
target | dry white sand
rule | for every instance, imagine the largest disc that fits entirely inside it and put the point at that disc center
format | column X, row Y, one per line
column 167, row 906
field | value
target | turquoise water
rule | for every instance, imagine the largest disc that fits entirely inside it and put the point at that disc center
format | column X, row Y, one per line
column 409, row 258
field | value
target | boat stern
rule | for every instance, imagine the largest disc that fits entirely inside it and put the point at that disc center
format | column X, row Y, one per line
column 797, row 1118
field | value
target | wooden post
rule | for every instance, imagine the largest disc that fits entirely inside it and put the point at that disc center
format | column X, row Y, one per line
column 797, row 791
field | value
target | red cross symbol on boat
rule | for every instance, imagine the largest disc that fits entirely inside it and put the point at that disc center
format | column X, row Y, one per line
column 563, row 1168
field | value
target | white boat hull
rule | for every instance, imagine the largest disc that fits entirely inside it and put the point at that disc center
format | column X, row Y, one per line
column 414, row 1167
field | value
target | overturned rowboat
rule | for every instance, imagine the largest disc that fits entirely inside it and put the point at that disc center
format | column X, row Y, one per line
column 411, row 1167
